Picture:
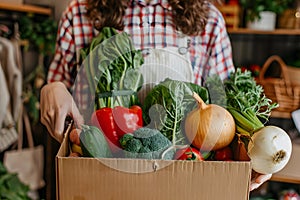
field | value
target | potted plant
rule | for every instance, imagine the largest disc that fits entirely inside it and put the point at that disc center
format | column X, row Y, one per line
column 263, row 11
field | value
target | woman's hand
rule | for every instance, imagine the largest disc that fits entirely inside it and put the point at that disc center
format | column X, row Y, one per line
column 56, row 103
column 258, row 179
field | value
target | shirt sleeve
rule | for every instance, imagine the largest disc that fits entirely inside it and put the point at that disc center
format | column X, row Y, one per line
column 220, row 46
column 64, row 61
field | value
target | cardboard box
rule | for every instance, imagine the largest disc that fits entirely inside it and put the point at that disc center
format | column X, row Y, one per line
column 290, row 173
column 127, row 179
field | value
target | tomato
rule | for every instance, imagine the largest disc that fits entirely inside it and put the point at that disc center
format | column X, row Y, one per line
column 255, row 69
column 243, row 68
column 224, row 154
column 188, row 153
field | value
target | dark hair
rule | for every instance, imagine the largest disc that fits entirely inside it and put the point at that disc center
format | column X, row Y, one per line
column 189, row 16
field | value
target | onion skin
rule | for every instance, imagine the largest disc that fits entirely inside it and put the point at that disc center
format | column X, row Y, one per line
column 239, row 149
column 209, row 127
column 270, row 149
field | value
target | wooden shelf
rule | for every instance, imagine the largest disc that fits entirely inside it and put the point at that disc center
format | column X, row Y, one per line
column 262, row 32
column 26, row 8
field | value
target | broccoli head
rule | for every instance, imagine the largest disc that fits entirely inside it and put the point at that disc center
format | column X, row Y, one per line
column 146, row 143
column 123, row 141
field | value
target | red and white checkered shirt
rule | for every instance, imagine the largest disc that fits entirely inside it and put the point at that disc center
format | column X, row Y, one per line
column 150, row 26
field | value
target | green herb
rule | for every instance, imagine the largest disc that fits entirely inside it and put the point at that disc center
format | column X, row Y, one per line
column 245, row 100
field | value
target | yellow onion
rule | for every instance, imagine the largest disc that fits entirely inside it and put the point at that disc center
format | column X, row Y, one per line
column 209, row 126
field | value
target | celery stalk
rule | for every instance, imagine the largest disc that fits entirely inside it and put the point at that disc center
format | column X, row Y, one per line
column 244, row 99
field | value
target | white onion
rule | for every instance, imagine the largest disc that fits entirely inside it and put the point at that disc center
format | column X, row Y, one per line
column 269, row 149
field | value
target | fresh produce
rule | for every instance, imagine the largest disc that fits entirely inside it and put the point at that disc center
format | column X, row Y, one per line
column 209, row 126
column 270, row 149
column 255, row 69
column 93, row 142
column 247, row 103
column 188, row 153
column 111, row 65
column 104, row 120
column 224, row 154
column 127, row 120
column 239, row 148
column 74, row 136
column 115, row 122
column 267, row 147
column 76, row 148
column 146, row 143
column 166, row 106
column 75, row 154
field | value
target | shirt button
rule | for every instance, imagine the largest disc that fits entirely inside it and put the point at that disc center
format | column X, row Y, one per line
column 147, row 10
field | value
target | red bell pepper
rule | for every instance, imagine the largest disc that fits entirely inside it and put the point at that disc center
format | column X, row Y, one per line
column 103, row 119
column 117, row 121
column 127, row 120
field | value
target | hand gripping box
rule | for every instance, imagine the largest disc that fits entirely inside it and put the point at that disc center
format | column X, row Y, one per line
column 79, row 178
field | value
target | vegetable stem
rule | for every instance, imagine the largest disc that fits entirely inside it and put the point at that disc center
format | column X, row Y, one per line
column 246, row 121
column 201, row 103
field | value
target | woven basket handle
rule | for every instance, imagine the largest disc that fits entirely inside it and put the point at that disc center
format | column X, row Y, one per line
column 282, row 66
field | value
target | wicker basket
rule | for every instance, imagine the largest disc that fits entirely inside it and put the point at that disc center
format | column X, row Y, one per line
column 280, row 89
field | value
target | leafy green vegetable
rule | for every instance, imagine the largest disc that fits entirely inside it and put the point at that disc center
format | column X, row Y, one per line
column 244, row 99
column 112, row 64
column 166, row 106
column 11, row 188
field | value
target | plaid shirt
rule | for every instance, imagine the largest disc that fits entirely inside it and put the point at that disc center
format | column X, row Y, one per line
column 150, row 26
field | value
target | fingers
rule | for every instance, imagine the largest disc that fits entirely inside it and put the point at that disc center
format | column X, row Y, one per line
column 254, row 186
column 60, row 116
column 56, row 104
column 75, row 114
column 59, row 125
column 53, row 119
column 258, row 180
column 263, row 178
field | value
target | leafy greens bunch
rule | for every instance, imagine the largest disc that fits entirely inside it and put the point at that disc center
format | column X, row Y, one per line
column 166, row 106
column 244, row 99
column 112, row 67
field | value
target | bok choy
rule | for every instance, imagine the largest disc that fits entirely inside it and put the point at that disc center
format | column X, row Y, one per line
column 112, row 68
